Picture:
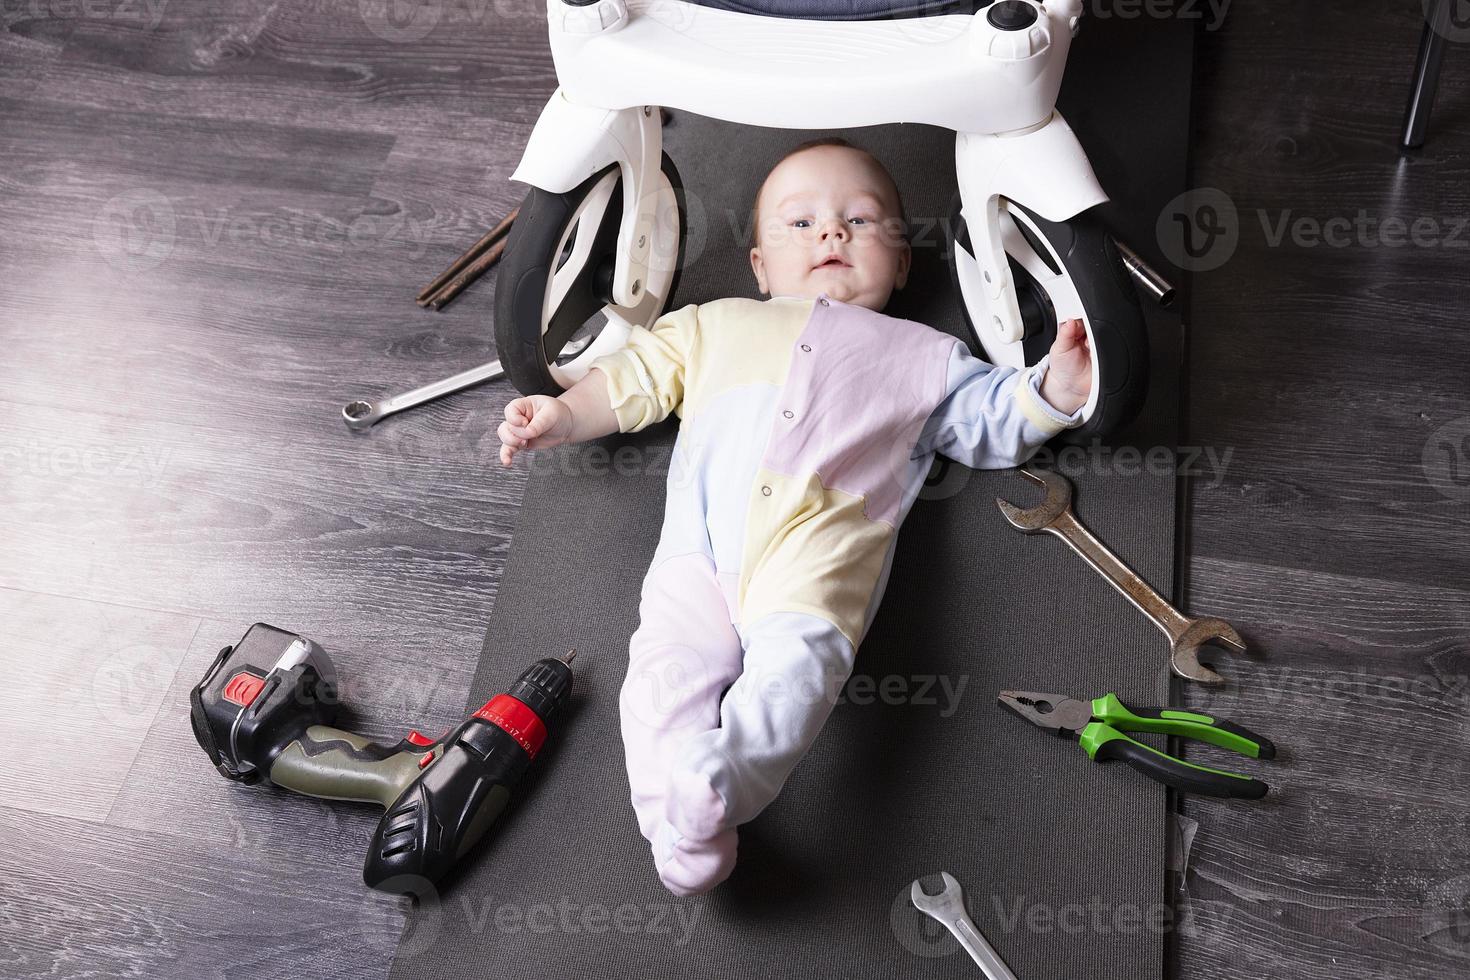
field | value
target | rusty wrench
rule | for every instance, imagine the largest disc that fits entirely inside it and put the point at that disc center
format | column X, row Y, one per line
column 1186, row 635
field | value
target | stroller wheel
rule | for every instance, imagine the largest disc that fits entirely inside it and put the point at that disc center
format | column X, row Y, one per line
column 1063, row 270
column 555, row 278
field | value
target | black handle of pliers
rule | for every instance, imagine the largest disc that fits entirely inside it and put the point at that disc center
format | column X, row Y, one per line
column 1183, row 776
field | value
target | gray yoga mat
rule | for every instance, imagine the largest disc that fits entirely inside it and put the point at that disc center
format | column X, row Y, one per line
column 918, row 771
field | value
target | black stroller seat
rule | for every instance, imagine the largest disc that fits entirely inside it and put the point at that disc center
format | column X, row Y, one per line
column 848, row 9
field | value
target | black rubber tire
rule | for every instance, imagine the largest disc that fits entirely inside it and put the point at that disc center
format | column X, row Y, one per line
column 527, row 263
column 1119, row 332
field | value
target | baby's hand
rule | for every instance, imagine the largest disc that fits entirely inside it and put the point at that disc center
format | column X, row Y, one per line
column 1068, row 378
column 533, row 422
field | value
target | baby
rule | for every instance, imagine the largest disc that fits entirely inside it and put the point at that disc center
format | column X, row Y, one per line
column 809, row 421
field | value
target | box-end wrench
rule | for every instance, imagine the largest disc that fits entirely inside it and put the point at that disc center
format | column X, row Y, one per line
column 948, row 909
column 1186, row 635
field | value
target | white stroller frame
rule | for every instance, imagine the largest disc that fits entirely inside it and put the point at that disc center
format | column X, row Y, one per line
column 616, row 59
column 995, row 86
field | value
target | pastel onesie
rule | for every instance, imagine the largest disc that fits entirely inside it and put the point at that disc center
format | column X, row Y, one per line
column 808, row 427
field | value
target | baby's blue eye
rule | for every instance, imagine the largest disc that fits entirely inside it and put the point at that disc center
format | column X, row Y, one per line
column 798, row 221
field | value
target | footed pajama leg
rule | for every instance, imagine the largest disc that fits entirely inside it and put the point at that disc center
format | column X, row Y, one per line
column 680, row 659
column 795, row 666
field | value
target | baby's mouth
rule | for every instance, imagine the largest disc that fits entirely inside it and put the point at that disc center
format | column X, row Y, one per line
column 832, row 262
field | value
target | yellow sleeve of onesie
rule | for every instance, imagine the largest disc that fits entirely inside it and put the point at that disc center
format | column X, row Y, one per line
column 645, row 379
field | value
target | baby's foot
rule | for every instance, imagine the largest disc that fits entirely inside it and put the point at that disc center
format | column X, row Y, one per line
column 692, row 867
column 696, row 809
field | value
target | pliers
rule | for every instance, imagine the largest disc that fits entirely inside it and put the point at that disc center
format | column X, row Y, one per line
column 1099, row 725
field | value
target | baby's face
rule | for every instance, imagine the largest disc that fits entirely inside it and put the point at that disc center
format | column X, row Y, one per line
column 823, row 202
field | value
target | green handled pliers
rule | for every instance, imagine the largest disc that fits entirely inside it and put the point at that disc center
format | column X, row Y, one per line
column 1099, row 725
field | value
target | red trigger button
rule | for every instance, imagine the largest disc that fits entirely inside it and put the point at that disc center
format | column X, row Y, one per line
column 414, row 738
column 428, row 758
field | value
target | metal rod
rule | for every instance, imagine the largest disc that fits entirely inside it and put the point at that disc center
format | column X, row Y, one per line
column 1144, row 274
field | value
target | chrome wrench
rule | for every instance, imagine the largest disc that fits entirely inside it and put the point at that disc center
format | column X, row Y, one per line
column 1186, row 634
column 362, row 414
column 948, row 909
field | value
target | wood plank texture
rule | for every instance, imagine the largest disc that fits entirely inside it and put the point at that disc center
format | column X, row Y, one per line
column 215, row 217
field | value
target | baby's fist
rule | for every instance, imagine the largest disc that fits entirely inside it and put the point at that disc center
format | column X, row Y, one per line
column 533, row 422
column 1068, row 379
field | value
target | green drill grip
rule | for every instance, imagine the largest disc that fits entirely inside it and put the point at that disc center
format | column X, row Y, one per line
column 1102, row 743
column 1185, row 724
column 331, row 764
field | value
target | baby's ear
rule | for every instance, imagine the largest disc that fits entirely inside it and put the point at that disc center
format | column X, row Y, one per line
column 757, row 265
column 905, row 260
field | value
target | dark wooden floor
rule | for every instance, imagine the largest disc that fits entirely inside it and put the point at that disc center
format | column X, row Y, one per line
column 214, row 217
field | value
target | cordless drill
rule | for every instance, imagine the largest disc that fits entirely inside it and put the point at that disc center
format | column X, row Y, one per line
column 265, row 709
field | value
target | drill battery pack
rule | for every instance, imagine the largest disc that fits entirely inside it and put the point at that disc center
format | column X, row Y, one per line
column 259, row 695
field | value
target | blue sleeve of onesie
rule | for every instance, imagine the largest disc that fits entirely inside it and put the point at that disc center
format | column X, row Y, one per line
column 993, row 417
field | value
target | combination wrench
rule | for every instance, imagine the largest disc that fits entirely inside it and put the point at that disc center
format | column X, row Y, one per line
column 948, row 909
column 1186, row 634
column 362, row 414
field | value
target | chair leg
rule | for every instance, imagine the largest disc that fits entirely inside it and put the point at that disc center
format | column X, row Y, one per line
column 1426, row 75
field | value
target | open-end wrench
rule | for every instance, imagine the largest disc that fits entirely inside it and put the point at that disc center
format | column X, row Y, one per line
column 1186, row 635
column 948, row 909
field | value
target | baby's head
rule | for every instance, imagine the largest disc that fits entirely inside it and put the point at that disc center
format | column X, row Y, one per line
column 827, row 197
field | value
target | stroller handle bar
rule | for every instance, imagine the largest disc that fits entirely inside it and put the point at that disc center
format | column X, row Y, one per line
column 959, row 71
